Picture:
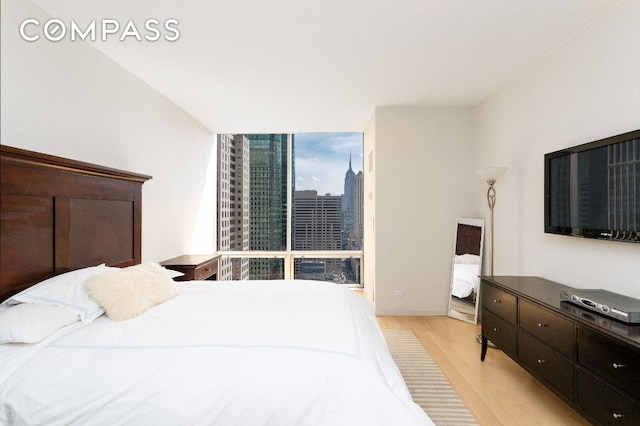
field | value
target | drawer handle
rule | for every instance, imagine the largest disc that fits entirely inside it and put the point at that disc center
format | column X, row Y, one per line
column 615, row 365
column 617, row 415
column 496, row 329
column 542, row 325
column 497, row 301
column 542, row 361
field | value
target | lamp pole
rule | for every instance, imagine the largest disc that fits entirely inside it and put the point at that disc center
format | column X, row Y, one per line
column 491, row 200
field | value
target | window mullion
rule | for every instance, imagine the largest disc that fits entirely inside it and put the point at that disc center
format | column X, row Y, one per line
column 288, row 260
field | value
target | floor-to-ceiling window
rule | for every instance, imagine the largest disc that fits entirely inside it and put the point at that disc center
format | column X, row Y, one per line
column 290, row 206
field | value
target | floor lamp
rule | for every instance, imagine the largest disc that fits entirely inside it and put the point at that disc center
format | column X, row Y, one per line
column 490, row 175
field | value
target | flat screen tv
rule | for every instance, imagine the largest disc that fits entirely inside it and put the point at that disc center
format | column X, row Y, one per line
column 593, row 190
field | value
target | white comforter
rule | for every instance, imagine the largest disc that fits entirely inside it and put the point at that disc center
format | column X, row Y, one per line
column 465, row 280
column 225, row 353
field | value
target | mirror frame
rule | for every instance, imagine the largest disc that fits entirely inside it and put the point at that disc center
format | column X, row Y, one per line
column 468, row 317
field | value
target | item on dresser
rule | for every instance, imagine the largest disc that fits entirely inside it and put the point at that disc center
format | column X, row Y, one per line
column 194, row 266
column 590, row 361
column 607, row 303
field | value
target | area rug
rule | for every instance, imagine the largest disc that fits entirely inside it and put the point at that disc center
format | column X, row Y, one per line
column 428, row 385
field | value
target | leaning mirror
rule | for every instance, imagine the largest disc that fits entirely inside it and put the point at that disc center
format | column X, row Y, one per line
column 466, row 269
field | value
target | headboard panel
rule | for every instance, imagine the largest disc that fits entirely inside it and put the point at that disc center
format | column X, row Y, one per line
column 57, row 215
column 468, row 239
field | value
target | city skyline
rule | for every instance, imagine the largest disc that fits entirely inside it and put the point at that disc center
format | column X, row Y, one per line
column 253, row 204
column 322, row 159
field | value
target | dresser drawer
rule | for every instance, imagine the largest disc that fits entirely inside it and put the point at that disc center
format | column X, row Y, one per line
column 543, row 361
column 500, row 303
column 605, row 404
column 613, row 361
column 550, row 327
column 501, row 333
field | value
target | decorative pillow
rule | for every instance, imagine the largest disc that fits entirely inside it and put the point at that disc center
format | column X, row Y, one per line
column 129, row 292
column 32, row 322
column 63, row 290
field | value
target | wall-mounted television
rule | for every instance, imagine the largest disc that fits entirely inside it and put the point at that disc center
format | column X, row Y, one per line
column 593, row 190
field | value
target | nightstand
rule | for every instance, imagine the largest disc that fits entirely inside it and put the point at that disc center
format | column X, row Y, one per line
column 194, row 266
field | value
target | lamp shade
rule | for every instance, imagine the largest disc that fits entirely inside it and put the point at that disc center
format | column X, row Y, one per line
column 491, row 173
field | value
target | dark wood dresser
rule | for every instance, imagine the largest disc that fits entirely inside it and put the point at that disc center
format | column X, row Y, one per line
column 194, row 266
column 590, row 361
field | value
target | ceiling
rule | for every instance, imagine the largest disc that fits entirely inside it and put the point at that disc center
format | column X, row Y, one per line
column 324, row 65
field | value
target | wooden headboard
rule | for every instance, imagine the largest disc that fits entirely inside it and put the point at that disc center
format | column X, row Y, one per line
column 58, row 215
column 468, row 239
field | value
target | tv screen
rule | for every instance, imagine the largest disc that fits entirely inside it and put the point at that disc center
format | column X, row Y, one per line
column 593, row 190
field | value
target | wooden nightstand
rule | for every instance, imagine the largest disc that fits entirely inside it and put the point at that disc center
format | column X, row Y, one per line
column 194, row 266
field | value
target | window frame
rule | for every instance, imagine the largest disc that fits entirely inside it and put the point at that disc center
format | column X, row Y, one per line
column 289, row 255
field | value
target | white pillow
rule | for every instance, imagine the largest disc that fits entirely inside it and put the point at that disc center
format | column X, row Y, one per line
column 32, row 322
column 63, row 290
column 467, row 259
column 127, row 293
column 173, row 273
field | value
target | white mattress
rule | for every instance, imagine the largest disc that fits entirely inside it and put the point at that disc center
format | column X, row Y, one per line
column 223, row 353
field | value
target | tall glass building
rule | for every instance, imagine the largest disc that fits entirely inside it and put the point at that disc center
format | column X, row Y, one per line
column 268, row 202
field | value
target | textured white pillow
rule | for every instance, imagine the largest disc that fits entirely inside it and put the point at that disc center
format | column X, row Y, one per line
column 128, row 292
column 32, row 322
column 63, row 290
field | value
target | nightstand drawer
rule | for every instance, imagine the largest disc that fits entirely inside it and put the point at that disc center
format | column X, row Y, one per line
column 500, row 303
column 206, row 270
column 194, row 267
column 553, row 329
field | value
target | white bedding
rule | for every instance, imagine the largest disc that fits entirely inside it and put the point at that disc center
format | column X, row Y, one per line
column 465, row 279
column 225, row 353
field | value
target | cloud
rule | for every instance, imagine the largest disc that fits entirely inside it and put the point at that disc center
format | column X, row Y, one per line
column 322, row 160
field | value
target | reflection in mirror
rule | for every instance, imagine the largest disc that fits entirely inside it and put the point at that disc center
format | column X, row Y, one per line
column 466, row 269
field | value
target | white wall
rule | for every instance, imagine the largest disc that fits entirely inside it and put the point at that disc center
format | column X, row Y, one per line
column 67, row 99
column 422, row 176
column 369, row 207
column 586, row 90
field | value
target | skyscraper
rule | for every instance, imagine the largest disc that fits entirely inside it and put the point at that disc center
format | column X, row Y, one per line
column 268, row 202
column 348, row 200
column 352, row 220
column 358, row 211
column 352, row 209
column 233, row 204
column 318, row 226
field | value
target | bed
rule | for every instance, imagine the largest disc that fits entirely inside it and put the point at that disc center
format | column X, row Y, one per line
column 465, row 281
column 200, row 352
column 466, row 276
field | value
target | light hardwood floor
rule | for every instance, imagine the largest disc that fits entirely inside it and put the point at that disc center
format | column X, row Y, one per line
column 497, row 391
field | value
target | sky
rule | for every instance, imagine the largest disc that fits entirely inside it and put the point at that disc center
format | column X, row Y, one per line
column 322, row 160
